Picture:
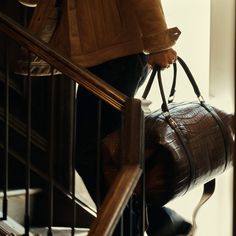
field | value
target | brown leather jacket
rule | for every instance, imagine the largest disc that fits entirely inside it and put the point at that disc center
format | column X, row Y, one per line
column 94, row 31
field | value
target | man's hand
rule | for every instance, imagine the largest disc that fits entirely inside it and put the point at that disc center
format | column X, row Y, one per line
column 163, row 58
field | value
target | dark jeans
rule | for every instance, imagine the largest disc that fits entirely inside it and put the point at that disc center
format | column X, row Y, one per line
column 125, row 74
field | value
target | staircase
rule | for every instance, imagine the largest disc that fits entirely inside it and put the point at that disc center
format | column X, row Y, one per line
column 39, row 164
column 38, row 197
column 16, row 212
column 16, row 202
column 37, row 146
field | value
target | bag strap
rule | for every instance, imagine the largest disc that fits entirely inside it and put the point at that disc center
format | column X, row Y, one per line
column 156, row 69
column 207, row 107
column 223, row 130
column 172, row 91
column 149, row 84
column 208, row 191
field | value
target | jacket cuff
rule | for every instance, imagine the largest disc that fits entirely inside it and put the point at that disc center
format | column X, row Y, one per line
column 160, row 41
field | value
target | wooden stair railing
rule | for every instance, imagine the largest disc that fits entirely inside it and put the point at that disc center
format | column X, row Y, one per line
column 127, row 178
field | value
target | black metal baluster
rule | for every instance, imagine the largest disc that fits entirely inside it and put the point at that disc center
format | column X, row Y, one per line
column 6, row 143
column 74, row 158
column 98, row 165
column 120, row 164
column 51, row 152
column 122, row 225
column 144, row 219
column 28, row 158
column 131, row 217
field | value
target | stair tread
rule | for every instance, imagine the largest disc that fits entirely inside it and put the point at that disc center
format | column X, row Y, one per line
column 10, row 226
column 60, row 231
column 18, row 192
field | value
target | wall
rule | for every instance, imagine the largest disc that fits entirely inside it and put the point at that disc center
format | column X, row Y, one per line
column 222, row 50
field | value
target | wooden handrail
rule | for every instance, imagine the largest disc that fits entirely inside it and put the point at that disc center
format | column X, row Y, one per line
column 116, row 200
column 80, row 75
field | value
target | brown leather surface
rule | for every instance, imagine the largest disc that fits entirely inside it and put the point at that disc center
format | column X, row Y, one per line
column 167, row 166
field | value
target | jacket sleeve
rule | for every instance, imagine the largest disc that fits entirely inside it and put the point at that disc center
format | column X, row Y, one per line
column 151, row 20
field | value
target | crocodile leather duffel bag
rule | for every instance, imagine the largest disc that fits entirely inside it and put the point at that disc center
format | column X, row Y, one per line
column 186, row 144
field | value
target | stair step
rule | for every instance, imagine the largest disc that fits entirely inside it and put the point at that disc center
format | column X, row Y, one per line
column 10, row 227
column 60, row 231
column 19, row 192
column 16, row 203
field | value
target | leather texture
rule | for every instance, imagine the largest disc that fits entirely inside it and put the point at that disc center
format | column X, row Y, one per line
column 168, row 171
column 205, row 141
column 186, row 144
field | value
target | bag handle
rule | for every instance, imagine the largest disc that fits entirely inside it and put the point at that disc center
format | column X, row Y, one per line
column 208, row 191
column 172, row 91
column 157, row 70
